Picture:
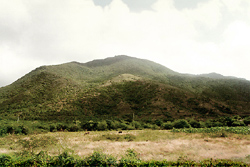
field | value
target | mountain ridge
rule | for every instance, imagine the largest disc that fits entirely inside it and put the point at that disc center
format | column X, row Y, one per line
column 118, row 86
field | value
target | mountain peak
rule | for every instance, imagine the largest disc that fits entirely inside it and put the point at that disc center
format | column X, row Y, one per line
column 106, row 61
column 118, row 86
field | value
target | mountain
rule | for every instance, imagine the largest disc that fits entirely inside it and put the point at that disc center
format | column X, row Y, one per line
column 120, row 87
column 214, row 75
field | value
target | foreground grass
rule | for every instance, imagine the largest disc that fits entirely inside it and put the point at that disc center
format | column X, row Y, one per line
column 100, row 159
column 157, row 145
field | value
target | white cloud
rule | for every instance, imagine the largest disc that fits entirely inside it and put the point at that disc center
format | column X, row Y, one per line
column 207, row 14
column 35, row 33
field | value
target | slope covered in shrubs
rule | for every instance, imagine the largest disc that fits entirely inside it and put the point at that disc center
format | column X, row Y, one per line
column 79, row 91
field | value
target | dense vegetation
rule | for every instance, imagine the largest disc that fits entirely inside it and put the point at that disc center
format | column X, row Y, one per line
column 227, row 124
column 146, row 92
column 100, row 159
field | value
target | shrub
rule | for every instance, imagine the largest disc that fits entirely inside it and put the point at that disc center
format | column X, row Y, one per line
column 100, row 159
column 136, row 125
column 65, row 159
column 167, row 125
column 61, row 127
column 3, row 131
column 131, row 158
column 125, row 126
column 52, row 128
column 195, row 124
column 10, row 129
column 247, row 120
column 73, row 128
column 210, row 124
column 102, row 125
column 43, row 127
column 114, row 125
column 238, row 123
column 89, row 125
column 23, row 130
column 147, row 126
column 158, row 122
column 5, row 160
column 181, row 124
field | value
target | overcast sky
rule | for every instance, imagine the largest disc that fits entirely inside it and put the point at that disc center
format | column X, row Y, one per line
column 187, row 36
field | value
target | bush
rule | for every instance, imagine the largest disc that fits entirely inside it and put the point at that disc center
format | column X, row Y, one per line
column 238, row 123
column 52, row 128
column 167, row 125
column 73, row 128
column 210, row 124
column 102, row 125
column 195, row 124
column 24, row 130
column 5, row 160
column 89, row 125
column 61, row 127
column 181, row 123
column 10, row 129
column 158, row 122
column 43, row 127
column 65, row 159
column 155, row 127
column 113, row 125
column 131, row 158
column 3, row 131
column 100, row 159
column 147, row 126
column 136, row 125
column 247, row 120
column 125, row 126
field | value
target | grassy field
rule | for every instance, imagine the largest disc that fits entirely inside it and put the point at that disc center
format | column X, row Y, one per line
column 149, row 144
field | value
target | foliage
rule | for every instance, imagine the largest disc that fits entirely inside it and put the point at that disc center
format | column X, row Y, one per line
column 247, row 120
column 167, row 125
column 130, row 159
column 181, row 124
column 8, row 127
column 221, row 130
column 195, row 124
column 102, row 125
column 100, row 159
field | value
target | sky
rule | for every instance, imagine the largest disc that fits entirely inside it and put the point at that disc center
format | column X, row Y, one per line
column 194, row 36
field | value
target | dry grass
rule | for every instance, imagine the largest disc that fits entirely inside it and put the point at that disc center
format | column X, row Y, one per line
column 151, row 144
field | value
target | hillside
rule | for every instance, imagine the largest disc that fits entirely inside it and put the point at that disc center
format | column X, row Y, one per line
column 122, row 87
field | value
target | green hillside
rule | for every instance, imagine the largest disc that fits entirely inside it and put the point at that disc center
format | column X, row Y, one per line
column 121, row 87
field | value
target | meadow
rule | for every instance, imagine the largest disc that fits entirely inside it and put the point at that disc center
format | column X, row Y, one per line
column 129, row 147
